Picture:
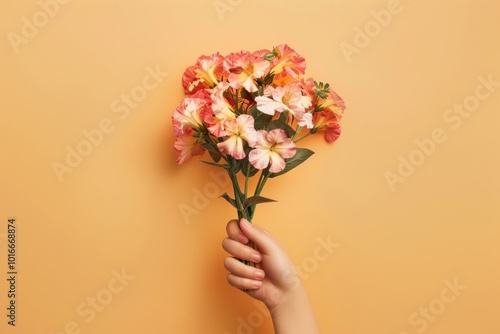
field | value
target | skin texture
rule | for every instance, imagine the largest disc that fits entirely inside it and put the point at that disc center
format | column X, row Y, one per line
column 273, row 280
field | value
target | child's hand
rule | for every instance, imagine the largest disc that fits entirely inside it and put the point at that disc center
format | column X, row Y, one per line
column 274, row 274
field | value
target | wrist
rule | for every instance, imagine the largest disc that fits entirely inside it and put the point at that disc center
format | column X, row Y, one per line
column 294, row 314
column 289, row 297
column 289, row 287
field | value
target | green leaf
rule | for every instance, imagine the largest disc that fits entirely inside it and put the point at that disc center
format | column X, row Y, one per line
column 269, row 79
column 278, row 124
column 283, row 117
column 261, row 121
column 300, row 156
column 229, row 199
column 216, row 156
column 245, row 166
column 214, row 164
column 213, row 150
column 321, row 90
column 270, row 56
column 254, row 112
column 256, row 200
column 210, row 147
column 234, row 165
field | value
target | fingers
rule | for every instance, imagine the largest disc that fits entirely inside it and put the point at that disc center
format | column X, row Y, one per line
column 240, row 269
column 243, row 283
column 234, row 232
column 241, row 251
column 264, row 241
column 241, row 276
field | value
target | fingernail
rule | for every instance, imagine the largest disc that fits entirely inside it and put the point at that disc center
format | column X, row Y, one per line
column 257, row 284
column 246, row 223
column 259, row 275
column 256, row 257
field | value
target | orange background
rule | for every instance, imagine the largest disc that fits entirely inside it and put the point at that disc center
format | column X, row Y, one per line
column 119, row 207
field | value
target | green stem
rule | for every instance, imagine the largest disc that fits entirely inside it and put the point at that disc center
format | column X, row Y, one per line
column 260, row 180
column 211, row 142
column 299, row 128
column 246, row 181
column 238, row 195
column 258, row 189
column 302, row 138
column 248, row 210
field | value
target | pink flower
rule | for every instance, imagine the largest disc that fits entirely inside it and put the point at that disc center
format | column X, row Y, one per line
column 326, row 122
column 230, row 60
column 222, row 111
column 308, row 91
column 188, row 114
column 288, row 98
column 239, row 130
column 206, row 73
column 245, row 69
column 187, row 147
column 261, row 53
column 272, row 148
column 190, row 82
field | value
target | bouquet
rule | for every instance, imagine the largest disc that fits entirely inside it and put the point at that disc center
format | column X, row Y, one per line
column 249, row 110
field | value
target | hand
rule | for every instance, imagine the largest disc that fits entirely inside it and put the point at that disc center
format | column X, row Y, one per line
column 274, row 275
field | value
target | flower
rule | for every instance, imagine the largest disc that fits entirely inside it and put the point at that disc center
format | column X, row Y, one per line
column 308, row 89
column 188, row 114
column 327, row 122
column 288, row 64
column 222, row 110
column 249, row 110
column 272, row 148
column 333, row 103
column 332, row 132
column 246, row 68
column 239, row 130
column 206, row 73
column 187, row 146
column 191, row 82
column 288, row 98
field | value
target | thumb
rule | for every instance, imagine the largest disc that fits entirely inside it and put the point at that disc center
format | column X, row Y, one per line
column 264, row 241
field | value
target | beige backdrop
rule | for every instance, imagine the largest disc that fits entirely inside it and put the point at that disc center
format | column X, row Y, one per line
column 394, row 228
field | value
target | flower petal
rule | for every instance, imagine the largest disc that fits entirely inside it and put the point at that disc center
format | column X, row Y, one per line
column 259, row 158
column 268, row 106
column 187, row 147
column 232, row 146
column 277, row 162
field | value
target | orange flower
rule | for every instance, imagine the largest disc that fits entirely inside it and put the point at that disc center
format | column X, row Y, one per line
column 327, row 123
column 206, row 73
column 287, row 65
